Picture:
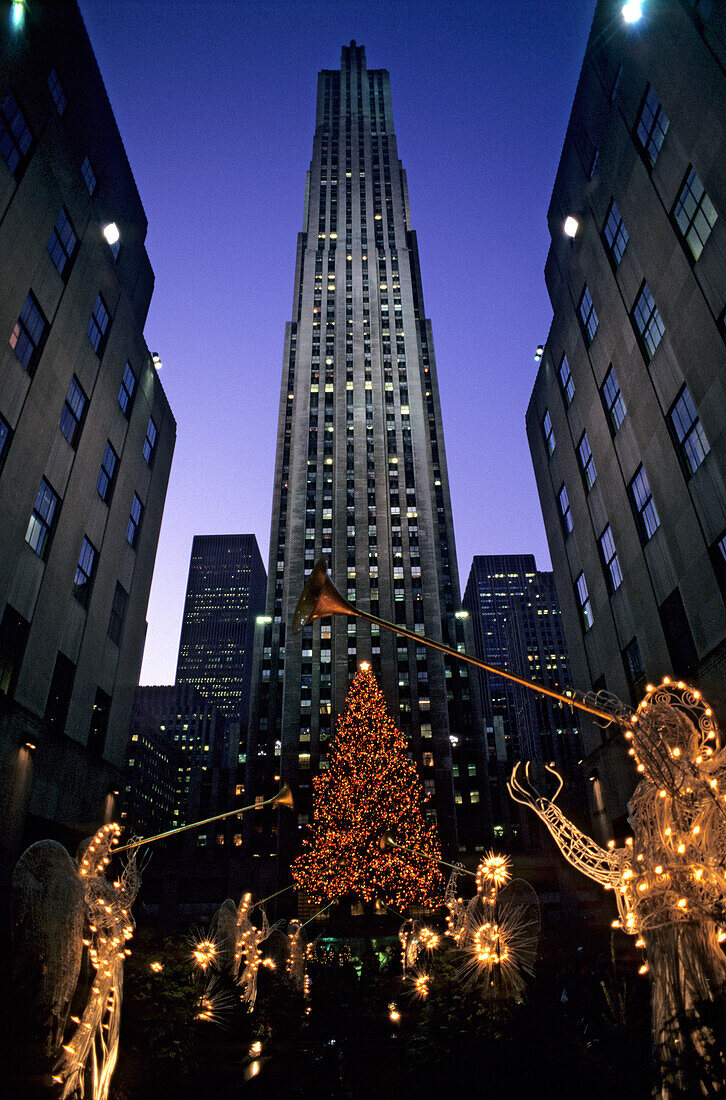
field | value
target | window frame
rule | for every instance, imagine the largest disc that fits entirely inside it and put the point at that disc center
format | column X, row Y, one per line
column 679, row 206
column 6, row 439
column 72, row 418
column 35, row 342
column 56, row 92
column 150, row 441
column 615, row 239
column 58, row 246
column 15, row 150
column 135, row 522
column 650, row 145
column 566, row 520
column 110, row 476
column 127, row 406
column 682, row 443
column 617, row 401
column 640, row 510
column 587, row 316
column 548, row 433
column 95, row 326
column 584, row 603
column 45, row 523
column 86, row 570
column 117, row 617
column 88, row 175
column 566, row 383
column 609, row 557
column 653, row 321
column 588, row 470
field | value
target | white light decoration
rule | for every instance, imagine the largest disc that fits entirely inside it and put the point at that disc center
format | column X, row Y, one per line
column 156, row 360
column 632, row 11
column 111, row 233
column 571, row 226
column 539, row 353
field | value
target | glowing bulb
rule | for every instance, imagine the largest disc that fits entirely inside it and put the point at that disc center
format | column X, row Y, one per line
column 111, row 233
column 571, row 225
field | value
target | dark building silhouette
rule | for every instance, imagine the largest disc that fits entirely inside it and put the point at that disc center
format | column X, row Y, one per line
column 627, row 419
column 225, row 593
column 361, row 479
column 86, row 434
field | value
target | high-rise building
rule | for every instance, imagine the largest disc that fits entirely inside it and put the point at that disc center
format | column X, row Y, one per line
column 225, row 593
column 517, row 626
column 627, row 418
column 86, row 433
column 361, row 479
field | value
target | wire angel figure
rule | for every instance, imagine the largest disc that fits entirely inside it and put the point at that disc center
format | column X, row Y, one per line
column 247, row 954
column 669, row 881
column 409, row 935
column 456, row 915
column 296, row 954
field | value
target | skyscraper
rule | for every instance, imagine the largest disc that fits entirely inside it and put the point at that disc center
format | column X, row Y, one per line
column 86, row 433
column 225, row 593
column 626, row 420
column 361, row 479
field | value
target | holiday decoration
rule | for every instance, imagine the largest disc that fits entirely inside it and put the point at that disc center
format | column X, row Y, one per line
column 456, row 915
column 296, row 954
column 247, row 954
column 370, row 785
column 668, row 880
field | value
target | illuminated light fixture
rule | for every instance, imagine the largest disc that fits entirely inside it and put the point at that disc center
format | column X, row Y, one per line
column 540, row 350
column 111, row 233
column 156, row 360
column 29, row 745
column 394, row 1015
column 461, row 614
column 571, row 226
column 632, row 11
column 256, row 1047
column 263, row 620
column 364, row 666
column 17, row 14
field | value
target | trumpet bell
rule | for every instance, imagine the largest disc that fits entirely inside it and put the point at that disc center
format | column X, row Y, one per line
column 284, row 797
column 319, row 598
column 386, row 841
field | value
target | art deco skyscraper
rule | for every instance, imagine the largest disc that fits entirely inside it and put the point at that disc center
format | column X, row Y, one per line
column 361, row 479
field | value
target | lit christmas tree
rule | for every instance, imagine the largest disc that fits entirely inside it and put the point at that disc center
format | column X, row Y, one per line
column 370, row 786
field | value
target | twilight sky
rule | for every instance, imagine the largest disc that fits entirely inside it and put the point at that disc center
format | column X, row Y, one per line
column 215, row 101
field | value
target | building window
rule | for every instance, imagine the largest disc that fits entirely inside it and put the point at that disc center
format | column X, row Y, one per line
column 565, row 513
column 83, row 580
column 647, row 321
column 89, row 176
column 612, row 399
column 615, row 234
column 583, row 602
column 587, row 462
column 59, row 696
column 118, row 613
column 150, row 441
column 42, row 520
column 127, row 390
column 98, row 325
column 6, row 435
column 132, row 531
column 688, row 432
column 107, row 473
column 652, row 126
column 679, row 639
column 74, row 412
column 14, row 631
column 56, row 91
column 613, row 574
column 645, row 511
column 694, row 214
column 62, row 244
column 718, row 557
column 633, row 664
column 568, row 386
column 549, row 434
column 588, row 316
column 15, row 137
column 99, row 723
column 29, row 333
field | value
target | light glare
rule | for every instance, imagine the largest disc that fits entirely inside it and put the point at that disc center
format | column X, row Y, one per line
column 571, row 226
column 632, row 11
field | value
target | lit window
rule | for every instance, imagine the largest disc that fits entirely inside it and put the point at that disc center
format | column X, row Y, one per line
column 568, row 386
column 474, row 796
column 237, row 840
column 565, row 513
column 62, row 243
column 118, row 613
column 28, row 335
column 56, row 91
column 549, row 434
column 304, row 760
column 610, row 560
column 107, row 473
column 126, row 392
column 42, row 520
column 652, row 126
column 150, row 441
column 694, row 214
column 583, row 600
column 98, row 325
column 633, row 663
column 89, row 176
column 588, row 316
column 688, row 432
column 73, row 413
column 615, row 234
column 587, row 462
column 613, row 401
column 132, row 530
column 648, row 321
column 85, row 569
column 645, row 510
column 15, row 137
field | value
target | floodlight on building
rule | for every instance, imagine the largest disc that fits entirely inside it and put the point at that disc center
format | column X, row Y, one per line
column 539, row 353
column 111, row 233
column 263, row 620
column 156, row 360
column 461, row 614
column 571, row 226
column 17, row 14
column 632, row 11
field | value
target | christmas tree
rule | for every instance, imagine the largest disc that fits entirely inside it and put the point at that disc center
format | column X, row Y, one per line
column 370, row 786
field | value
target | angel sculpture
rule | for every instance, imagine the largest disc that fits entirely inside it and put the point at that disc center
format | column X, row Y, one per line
column 669, row 880
column 457, row 910
column 296, row 957
column 409, row 935
column 247, row 946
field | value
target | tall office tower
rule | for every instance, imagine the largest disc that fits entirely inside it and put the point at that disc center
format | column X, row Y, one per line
column 518, row 627
column 225, row 593
column 361, row 479
column 627, row 420
column 86, row 433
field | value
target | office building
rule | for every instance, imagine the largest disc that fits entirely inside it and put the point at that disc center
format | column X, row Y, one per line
column 361, row 479
column 86, row 434
column 627, row 419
